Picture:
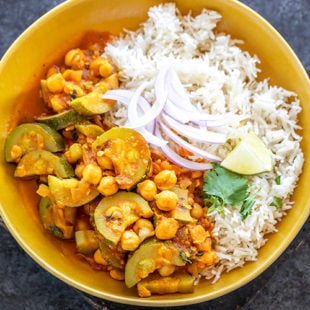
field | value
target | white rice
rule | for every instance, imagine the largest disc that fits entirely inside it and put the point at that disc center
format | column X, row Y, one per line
column 220, row 77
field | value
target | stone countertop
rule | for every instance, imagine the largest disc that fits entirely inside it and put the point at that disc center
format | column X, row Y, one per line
column 285, row 285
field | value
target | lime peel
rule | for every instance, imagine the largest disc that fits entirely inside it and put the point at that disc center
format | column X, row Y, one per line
column 249, row 157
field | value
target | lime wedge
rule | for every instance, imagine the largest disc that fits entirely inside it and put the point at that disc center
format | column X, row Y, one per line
column 250, row 156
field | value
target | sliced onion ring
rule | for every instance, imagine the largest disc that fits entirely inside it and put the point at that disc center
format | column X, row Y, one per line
column 152, row 139
column 197, row 134
column 177, row 93
column 175, row 113
column 181, row 142
column 181, row 161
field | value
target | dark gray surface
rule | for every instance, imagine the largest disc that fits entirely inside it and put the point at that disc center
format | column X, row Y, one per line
column 285, row 285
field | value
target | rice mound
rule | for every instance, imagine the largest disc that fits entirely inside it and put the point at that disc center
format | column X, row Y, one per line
column 219, row 77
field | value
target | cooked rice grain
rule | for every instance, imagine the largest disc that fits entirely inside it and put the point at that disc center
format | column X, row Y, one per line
column 220, row 77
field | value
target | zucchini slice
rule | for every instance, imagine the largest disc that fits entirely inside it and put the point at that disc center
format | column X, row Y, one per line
column 115, row 213
column 92, row 104
column 182, row 210
column 89, row 130
column 61, row 120
column 129, row 153
column 43, row 163
column 29, row 137
column 113, row 257
column 150, row 256
column 57, row 220
column 86, row 241
column 71, row 192
column 179, row 282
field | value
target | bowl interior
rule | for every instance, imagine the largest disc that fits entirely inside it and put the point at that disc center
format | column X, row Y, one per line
column 52, row 36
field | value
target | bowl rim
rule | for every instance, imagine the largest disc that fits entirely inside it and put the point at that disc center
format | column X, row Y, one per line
column 153, row 302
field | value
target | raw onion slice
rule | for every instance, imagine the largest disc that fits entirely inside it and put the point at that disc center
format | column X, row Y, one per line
column 175, row 113
column 160, row 101
column 132, row 113
column 152, row 139
column 212, row 120
column 181, row 142
column 143, row 106
column 124, row 96
column 177, row 93
column 181, row 161
column 159, row 86
column 197, row 134
column 173, row 110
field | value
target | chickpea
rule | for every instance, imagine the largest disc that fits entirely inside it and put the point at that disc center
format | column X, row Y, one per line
column 73, row 75
column 144, row 229
column 92, row 174
column 70, row 88
column 207, row 259
column 166, row 228
column 112, row 81
column 74, row 59
column 57, row 103
column 98, row 258
column 101, row 66
column 105, row 69
column 197, row 211
column 165, row 179
column 108, row 186
column 130, row 240
column 104, row 162
column 56, row 83
column 166, row 200
column 16, row 152
column 117, row 274
column 147, row 189
column 166, row 270
column 79, row 170
column 74, row 153
column 198, row 234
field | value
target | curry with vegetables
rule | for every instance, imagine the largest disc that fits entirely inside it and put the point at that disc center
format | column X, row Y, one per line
column 129, row 210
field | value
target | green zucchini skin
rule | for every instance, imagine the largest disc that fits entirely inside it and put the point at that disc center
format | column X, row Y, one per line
column 61, row 120
column 43, row 163
column 91, row 104
column 30, row 137
column 86, row 241
column 121, row 200
column 179, row 282
column 71, row 192
column 133, row 164
column 89, row 130
column 59, row 226
column 144, row 260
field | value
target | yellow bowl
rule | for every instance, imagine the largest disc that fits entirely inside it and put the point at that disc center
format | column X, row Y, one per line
column 51, row 35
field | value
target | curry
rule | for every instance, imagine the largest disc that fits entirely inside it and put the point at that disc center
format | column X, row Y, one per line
column 129, row 210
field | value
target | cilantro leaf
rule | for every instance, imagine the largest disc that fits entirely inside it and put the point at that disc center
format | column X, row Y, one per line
column 278, row 180
column 276, row 202
column 185, row 258
column 247, row 207
column 223, row 187
column 231, row 188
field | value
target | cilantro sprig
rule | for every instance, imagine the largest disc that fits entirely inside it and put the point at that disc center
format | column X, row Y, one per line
column 223, row 187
